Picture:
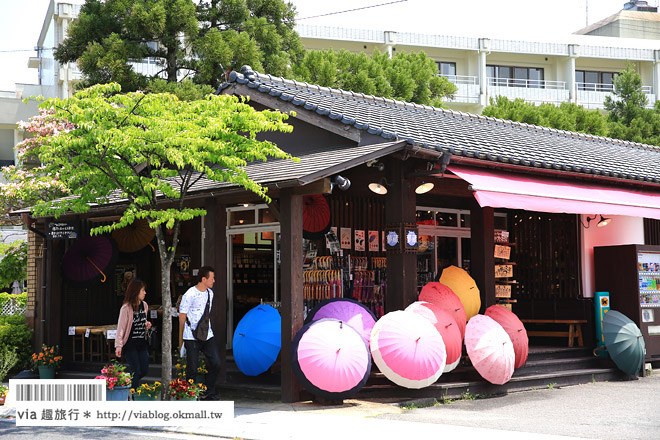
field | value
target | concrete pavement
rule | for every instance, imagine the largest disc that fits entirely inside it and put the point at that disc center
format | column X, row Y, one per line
column 602, row 410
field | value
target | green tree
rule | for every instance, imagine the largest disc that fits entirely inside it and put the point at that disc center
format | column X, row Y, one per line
column 149, row 149
column 628, row 100
column 111, row 38
column 13, row 265
column 407, row 76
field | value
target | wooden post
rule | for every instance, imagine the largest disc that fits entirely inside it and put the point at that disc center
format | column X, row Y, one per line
column 215, row 255
column 482, row 264
column 400, row 207
column 291, row 286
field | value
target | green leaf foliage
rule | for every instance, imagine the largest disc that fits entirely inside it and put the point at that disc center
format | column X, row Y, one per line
column 201, row 40
column 409, row 77
column 13, row 266
column 15, row 335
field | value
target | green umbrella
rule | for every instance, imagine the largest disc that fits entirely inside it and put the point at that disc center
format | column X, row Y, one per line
column 624, row 342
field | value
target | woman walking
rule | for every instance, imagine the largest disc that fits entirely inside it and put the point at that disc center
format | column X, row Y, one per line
column 132, row 330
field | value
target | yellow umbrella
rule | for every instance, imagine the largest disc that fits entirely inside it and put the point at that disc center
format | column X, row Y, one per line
column 464, row 287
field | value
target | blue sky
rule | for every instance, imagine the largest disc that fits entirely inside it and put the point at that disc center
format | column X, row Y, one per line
column 21, row 21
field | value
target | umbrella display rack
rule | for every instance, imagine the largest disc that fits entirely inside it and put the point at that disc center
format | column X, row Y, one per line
column 360, row 278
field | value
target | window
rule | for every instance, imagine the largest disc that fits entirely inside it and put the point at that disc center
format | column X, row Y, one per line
column 447, row 70
column 595, row 81
column 509, row 76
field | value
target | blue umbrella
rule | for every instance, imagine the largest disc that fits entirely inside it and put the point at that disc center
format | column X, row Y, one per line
column 257, row 340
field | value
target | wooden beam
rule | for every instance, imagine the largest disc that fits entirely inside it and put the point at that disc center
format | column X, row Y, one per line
column 482, row 260
column 291, row 287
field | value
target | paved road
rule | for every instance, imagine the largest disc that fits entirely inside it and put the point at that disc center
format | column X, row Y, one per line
column 603, row 410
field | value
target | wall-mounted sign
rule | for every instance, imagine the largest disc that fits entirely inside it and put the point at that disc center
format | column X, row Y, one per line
column 373, row 241
column 503, row 252
column 359, row 240
column 345, row 237
column 393, row 239
column 502, row 291
column 503, row 271
column 60, row 230
column 411, row 238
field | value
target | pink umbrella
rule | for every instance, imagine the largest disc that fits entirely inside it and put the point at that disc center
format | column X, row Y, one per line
column 438, row 293
column 330, row 359
column 447, row 327
column 514, row 328
column 408, row 349
column 348, row 310
column 489, row 349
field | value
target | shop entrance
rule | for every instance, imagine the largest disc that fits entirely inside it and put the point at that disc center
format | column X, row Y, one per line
column 254, row 253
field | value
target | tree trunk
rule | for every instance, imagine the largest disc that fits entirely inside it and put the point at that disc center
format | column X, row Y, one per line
column 166, row 258
column 171, row 65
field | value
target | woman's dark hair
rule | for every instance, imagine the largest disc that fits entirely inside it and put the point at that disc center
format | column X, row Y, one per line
column 133, row 291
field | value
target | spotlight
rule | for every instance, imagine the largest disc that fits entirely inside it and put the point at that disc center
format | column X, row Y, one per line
column 378, row 188
column 604, row 221
column 341, row 182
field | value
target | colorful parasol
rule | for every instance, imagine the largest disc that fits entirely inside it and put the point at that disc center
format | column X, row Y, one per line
column 316, row 216
column 490, row 349
column 330, row 359
column 464, row 286
column 515, row 329
column 408, row 349
column 350, row 311
column 443, row 296
column 446, row 325
column 86, row 261
column 257, row 340
column 133, row 237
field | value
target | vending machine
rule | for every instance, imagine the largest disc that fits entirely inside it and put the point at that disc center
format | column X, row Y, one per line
column 631, row 275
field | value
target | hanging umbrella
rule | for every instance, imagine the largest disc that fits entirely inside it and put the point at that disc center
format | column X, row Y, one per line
column 490, row 349
column 515, row 329
column 87, row 260
column 257, row 340
column 316, row 216
column 624, row 342
column 446, row 325
column 350, row 311
column 134, row 237
column 439, row 294
column 330, row 359
column 464, row 286
column 408, row 349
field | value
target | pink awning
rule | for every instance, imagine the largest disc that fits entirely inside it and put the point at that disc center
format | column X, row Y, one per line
column 499, row 189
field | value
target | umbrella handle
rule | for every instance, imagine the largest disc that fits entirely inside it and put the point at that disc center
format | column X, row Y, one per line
column 97, row 268
column 602, row 347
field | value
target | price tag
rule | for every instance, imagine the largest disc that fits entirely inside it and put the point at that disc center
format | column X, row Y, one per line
column 87, row 332
column 111, row 334
column 175, row 312
column 153, row 313
column 72, row 330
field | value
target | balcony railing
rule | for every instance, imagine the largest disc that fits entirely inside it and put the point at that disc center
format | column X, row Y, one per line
column 461, row 79
column 601, row 87
column 526, row 83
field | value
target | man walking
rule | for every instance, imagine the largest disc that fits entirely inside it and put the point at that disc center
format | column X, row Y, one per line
column 195, row 305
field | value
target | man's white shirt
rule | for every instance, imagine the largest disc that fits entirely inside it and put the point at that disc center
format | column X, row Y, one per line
column 193, row 304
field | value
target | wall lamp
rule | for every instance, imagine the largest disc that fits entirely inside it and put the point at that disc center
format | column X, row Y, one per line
column 604, row 221
column 424, row 187
column 380, row 187
column 340, row 182
column 380, row 166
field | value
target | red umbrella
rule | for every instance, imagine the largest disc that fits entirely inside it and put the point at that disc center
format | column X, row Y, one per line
column 438, row 293
column 514, row 328
column 447, row 327
column 316, row 216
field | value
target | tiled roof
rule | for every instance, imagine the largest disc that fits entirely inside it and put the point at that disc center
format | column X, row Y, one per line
column 463, row 134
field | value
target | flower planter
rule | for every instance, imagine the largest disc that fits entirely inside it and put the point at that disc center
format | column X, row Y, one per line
column 2, row 399
column 145, row 396
column 117, row 394
column 184, row 398
column 46, row 372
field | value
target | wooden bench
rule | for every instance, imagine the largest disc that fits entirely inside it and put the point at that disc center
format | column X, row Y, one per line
column 574, row 329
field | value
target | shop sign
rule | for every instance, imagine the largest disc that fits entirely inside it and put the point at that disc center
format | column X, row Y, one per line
column 502, row 291
column 503, row 270
column 60, row 230
column 503, row 252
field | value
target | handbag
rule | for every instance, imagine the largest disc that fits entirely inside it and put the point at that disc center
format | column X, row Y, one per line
column 201, row 332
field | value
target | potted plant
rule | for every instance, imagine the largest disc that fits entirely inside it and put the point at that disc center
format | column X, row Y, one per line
column 117, row 381
column 182, row 389
column 147, row 391
column 200, row 377
column 3, row 394
column 46, row 362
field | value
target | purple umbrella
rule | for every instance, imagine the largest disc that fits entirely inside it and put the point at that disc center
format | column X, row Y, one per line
column 347, row 310
column 87, row 258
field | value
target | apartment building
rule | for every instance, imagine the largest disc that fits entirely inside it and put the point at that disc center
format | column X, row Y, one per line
column 580, row 69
